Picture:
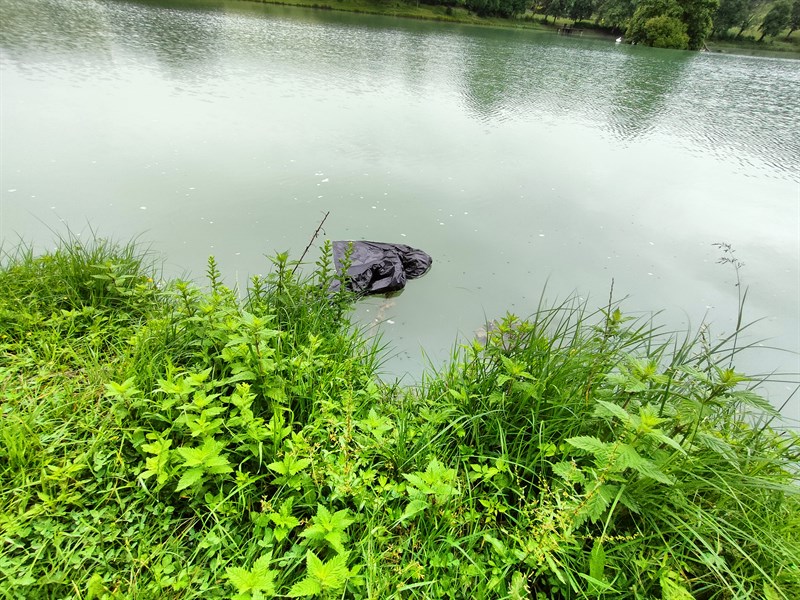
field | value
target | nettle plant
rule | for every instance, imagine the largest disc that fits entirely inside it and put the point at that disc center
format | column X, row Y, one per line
column 239, row 415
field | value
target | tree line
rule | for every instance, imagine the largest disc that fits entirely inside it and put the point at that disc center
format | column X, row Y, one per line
column 682, row 24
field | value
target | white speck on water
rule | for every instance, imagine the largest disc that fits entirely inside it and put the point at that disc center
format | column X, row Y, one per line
column 142, row 208
column 52, row 208
column 191, row 188
column 318, row 197
column 374, row 207
column 211, row 222
column 541, row 235
column 651, row 243
column 238, row 253
column 466, row 213
column 402, row 235
column 390, row 322
column 12, row 190
column 326, row 180
column 649, row 273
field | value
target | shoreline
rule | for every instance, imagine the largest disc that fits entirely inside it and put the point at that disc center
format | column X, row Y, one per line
column 460, row 16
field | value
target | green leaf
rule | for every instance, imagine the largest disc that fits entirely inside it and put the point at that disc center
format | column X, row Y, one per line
column 189, row 478
column 306, row 587
column 609, row 409
column 330, row 575
column 519, row 587
column 672, row 589
column 257, row 581
column 589, row 444
column 329, row 527
column 568, row 471
column 597, row 561
column 240, row 578
column 413, row 508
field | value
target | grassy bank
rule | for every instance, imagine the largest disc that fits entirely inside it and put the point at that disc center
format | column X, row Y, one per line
column 779, row 46
column 163, row 440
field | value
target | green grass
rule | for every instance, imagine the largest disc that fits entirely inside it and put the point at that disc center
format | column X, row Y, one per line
column 163, row 440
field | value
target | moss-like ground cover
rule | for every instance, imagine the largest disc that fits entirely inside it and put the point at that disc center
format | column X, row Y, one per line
column 164, row 440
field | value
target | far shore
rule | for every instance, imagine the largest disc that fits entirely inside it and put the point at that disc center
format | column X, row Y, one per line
column 527, row 21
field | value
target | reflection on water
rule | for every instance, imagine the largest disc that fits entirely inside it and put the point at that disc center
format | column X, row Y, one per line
column 711, row 103
column 515, row 158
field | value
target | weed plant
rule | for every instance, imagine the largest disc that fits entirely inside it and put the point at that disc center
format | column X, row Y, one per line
column 164, row 440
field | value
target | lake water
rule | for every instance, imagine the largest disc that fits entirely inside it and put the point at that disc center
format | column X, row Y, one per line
column 519, row 160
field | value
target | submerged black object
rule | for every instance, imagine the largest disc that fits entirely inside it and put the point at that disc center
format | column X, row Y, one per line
column 379, row 268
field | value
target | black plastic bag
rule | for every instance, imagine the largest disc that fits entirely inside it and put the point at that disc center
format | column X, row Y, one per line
column 379, row 268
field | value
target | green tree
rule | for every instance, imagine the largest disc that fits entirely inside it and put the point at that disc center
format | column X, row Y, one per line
column 496, row 8
column 616, row 13
column 646, row 10
column 730, row 14
column 666, row 32
column 776, row 20
column 581, row 9
column 794, row 18
column 698, row 14
column 555, row 8
column 694, row 14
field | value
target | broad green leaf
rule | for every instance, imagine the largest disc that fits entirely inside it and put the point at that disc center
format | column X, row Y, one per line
column 306, row 587
column 258, row 581
column 330, row 575
column 569, row 472
column 597, row 561
column 189, row 478
column 609, row 409
column 240, row 578
column 413, row 508
column 589, row 444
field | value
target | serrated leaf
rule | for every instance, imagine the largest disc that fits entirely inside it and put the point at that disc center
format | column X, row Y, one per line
column 589, row 444
column 568, row 471
column 413, row 508
column 331, row 575
column 239, row 577
column 629, row 458
column 258, row 581
column 660, row 436
column 189, row 478
column 609, row 409
column 306, row 587
column 756, row 401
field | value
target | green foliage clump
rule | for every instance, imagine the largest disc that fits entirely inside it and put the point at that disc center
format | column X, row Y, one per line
column 663, row 32
column 163, row 440
column 672, row 23
column 776, row 20
column 496, row 8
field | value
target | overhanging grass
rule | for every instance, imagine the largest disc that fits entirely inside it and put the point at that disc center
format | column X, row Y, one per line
column 168, row 441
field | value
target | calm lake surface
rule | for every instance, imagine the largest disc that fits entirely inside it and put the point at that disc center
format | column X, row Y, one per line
column 519, row 160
